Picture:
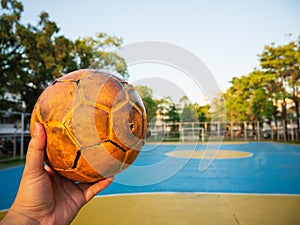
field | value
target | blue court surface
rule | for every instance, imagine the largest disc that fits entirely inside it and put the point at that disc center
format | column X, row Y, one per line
column 271, row 168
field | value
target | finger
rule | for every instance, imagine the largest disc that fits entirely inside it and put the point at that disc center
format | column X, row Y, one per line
column 49, row 170
column 89, row 191
column 35, row 153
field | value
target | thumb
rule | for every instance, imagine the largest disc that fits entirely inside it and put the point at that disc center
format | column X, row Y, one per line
column 35, row 153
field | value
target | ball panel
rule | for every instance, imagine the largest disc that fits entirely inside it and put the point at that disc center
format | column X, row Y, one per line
column 135, row 99
column 102, row 90
column 88, row 125
column 131, row 155
column 83, row 167
column 77, row 175
column 60, row 152
column 59, row 92
column 111, row 93
column 91, row 86
column 75, row 76
column 127, row 126
column 107, row 152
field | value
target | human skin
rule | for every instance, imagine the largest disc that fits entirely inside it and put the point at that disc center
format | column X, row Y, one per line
column 45, row 197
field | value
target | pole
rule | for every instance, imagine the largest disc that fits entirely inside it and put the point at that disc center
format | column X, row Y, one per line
column 284, row 131
column 22, row 136
column 231, row 130
column 258, row 131
column 245, row 130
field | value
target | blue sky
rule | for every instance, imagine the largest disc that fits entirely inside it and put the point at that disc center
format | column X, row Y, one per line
column 226, row 35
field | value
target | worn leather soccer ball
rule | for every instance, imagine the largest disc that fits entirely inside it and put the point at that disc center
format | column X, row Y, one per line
column 95, row 125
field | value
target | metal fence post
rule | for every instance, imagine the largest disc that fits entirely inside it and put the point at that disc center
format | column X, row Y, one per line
column 258, row 131
column 245, row 130
column 22, row 136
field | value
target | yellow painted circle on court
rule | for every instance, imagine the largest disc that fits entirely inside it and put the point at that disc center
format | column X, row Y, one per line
column 208, row 154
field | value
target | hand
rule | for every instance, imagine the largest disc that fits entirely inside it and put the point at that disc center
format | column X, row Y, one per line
column 44, row 197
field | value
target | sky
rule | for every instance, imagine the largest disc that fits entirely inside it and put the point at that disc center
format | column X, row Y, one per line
column 226, row 36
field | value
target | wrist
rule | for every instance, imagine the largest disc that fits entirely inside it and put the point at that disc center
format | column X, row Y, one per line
column 14, row 217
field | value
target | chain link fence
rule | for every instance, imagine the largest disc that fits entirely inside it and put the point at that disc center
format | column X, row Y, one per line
column 228, row 131
column 14, row 135
column 15, row 132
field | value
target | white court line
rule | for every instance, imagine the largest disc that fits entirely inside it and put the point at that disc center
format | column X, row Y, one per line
column 195, row 193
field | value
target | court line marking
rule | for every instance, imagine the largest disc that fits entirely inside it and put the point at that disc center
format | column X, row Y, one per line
column 197, row 193
column 200, row 154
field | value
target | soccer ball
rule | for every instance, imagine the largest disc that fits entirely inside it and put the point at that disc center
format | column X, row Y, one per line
column 95, row 125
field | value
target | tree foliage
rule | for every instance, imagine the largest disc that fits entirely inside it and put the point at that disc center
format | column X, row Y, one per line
column 193, row 112
column 171, row 112
column 270, row 92
column 32, row 56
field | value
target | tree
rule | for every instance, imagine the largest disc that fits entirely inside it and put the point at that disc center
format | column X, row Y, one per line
column 188, row 111
column 204, row 114
column 96, row 53
column 263, row 92
column 10, row 49
column 189, row 114
column 260, row 98
column 236, row 100
column 168, row 110
column 282, row 64
column 43, row 61
column 33, row 56
column 170, row 113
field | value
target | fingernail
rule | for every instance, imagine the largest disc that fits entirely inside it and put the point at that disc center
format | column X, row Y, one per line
column 35, row 129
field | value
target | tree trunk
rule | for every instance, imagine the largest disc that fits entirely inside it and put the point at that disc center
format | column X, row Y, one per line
column 284, row 120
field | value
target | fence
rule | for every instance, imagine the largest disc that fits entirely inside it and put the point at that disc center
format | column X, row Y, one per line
column 233, row 131
column 15, row 135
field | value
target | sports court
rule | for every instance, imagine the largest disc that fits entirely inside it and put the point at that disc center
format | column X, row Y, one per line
column 240, row 183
